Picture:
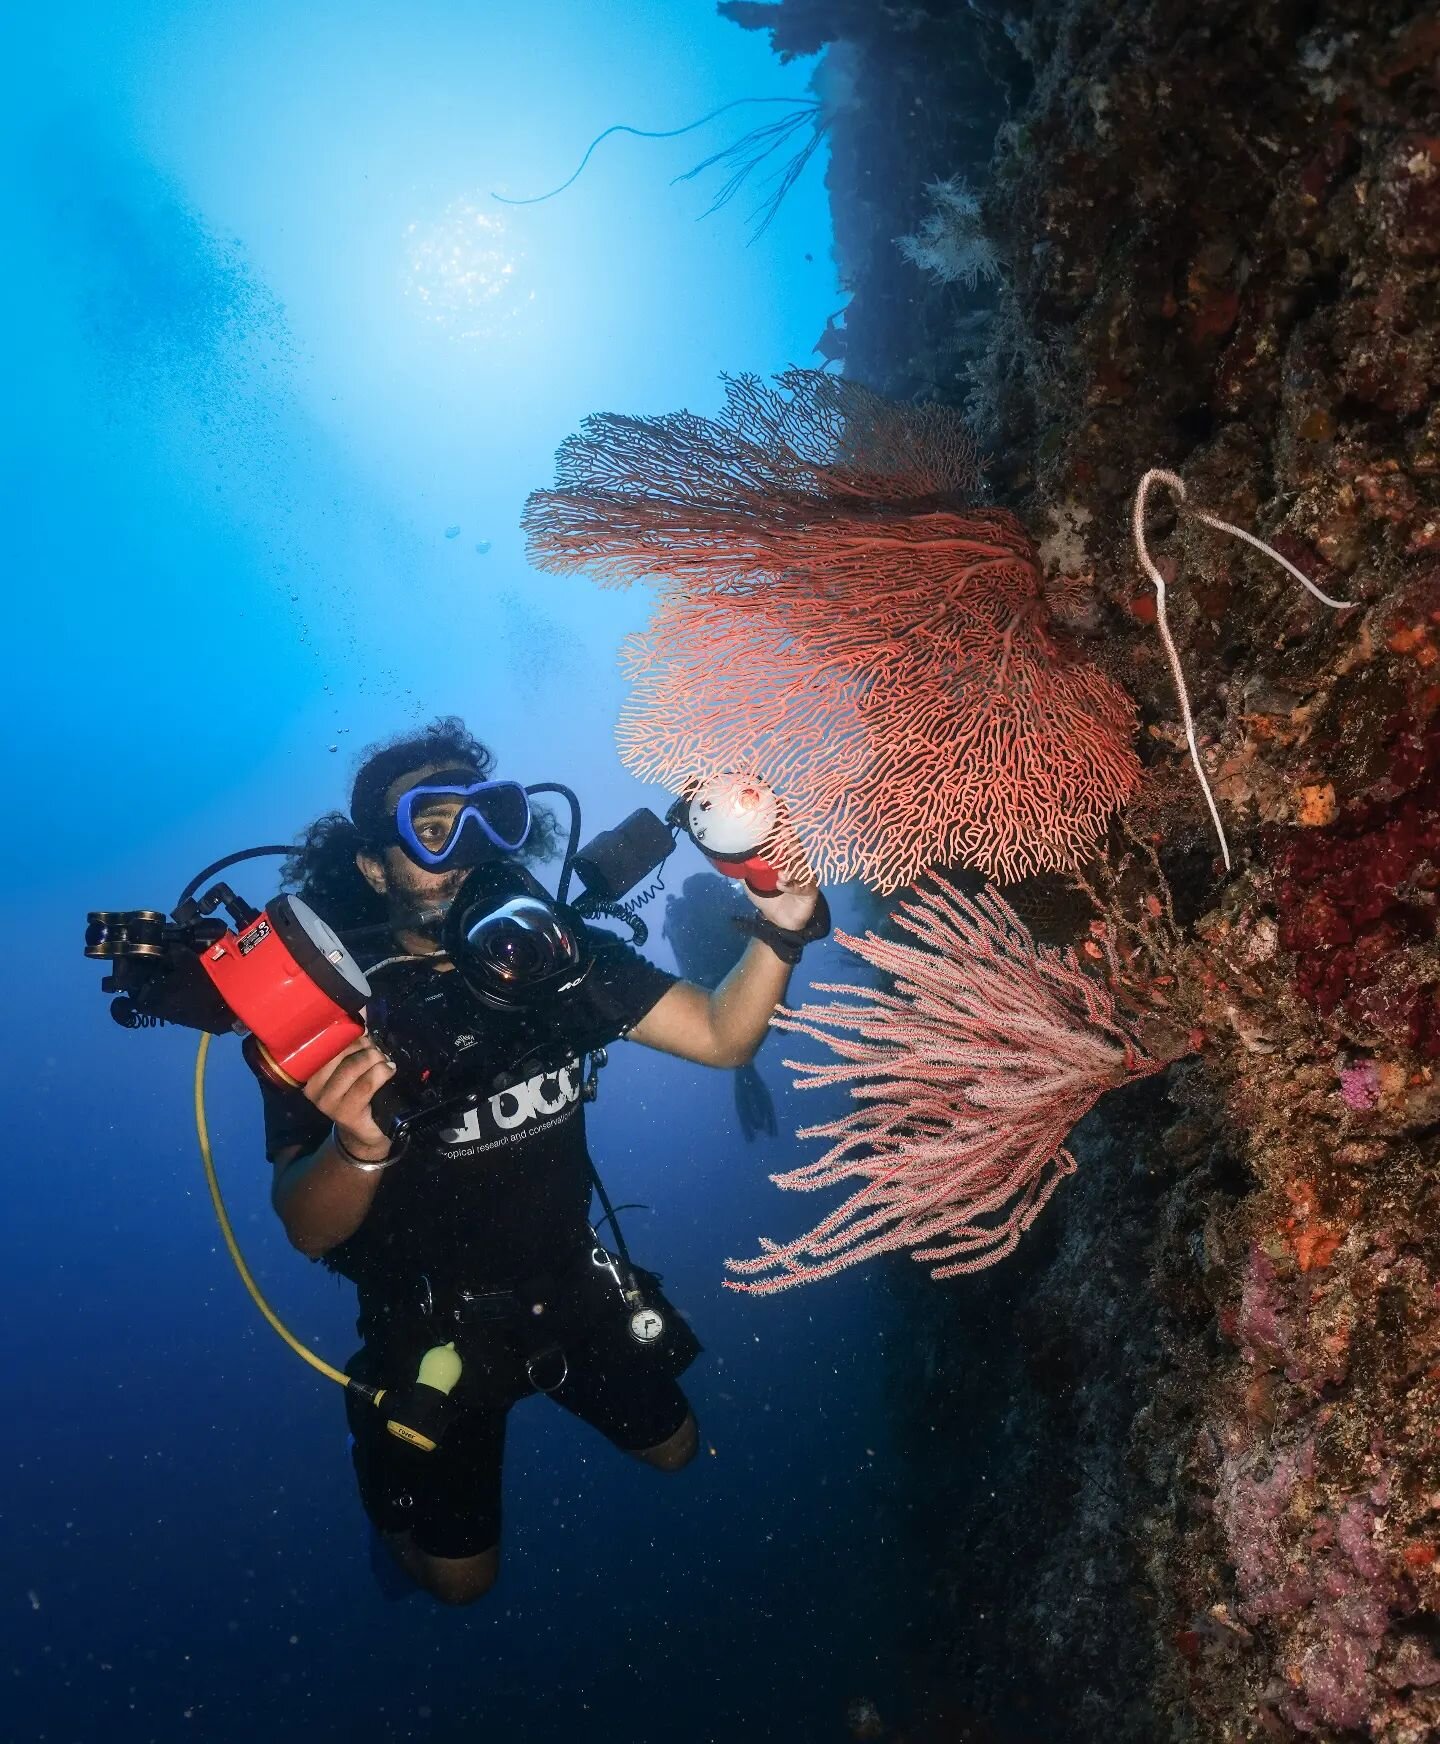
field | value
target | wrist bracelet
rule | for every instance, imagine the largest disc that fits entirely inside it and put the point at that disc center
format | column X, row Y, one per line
column 788, row 943
column 366, row 1168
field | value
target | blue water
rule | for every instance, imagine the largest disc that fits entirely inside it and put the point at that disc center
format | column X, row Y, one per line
column 251, row 395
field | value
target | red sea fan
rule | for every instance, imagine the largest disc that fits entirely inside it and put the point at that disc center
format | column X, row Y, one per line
column 708, row 500
column 967, row 1076
column 837, row 616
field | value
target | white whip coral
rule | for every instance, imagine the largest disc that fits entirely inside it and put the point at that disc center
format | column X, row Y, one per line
column 967, row 1077
column 1176, row 485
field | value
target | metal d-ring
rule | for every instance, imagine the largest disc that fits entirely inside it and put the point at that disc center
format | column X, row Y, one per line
column 530, row 1363
column 604, row 1261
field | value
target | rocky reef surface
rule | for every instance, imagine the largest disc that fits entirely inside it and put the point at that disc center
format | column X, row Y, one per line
column 1174, row 1470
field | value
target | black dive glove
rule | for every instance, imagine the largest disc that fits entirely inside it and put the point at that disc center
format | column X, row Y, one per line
column 788, row 944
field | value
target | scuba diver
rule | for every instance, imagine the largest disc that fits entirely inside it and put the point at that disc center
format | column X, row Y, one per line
column 699, row 929
column 475, row 1234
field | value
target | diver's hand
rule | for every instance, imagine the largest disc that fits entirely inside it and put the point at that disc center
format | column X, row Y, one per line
column 343, row 1092
column 790, row 907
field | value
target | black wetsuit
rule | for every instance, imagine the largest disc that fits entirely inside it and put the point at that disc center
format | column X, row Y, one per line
column 483, row 1219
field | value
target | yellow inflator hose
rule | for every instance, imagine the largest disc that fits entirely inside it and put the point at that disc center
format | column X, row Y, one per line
column 417, row 1415
column 202, row 1132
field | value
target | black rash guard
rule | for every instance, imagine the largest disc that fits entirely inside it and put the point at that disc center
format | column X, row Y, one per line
column 502, row 1194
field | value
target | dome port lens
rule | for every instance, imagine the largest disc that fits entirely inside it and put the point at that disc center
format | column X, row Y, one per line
column 518, row 942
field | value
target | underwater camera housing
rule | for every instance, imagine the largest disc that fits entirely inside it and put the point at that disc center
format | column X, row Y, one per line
column 515, row 947
column 278, row 975
column 290, row 985
column 284, row 980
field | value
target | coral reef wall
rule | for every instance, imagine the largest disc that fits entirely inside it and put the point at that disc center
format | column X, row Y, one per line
column 1192, row 1487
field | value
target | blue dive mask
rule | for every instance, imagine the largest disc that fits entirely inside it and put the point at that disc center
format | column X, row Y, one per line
column 453, row 818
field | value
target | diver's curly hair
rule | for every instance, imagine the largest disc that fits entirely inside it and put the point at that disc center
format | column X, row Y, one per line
column 322, row 869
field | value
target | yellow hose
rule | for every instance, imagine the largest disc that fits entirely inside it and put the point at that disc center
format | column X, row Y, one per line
column 207, row 1156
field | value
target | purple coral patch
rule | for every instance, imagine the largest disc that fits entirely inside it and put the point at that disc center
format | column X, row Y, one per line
column 1360, row 1085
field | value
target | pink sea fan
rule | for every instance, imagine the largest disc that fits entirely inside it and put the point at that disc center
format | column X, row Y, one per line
column 967, row 1075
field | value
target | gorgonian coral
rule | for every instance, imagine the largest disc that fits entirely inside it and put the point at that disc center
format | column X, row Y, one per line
column 967, row 1075
column 837, row 615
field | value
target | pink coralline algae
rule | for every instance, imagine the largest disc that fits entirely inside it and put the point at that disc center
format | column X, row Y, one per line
column 1322, row 1575
column 1262, row 1325
column 967, row 1076
column 1331, row 1542
column 1360, row 1085
column 1254, row 1502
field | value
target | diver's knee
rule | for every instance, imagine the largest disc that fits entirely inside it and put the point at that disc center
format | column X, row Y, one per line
column 448, row 1593
column 677, row 1450
column 461, row 1580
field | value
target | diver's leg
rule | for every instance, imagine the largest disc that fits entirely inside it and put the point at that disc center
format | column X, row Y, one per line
column 620, row 1388
column 438, row 1512
column 454, row 1580
column 676, row 1450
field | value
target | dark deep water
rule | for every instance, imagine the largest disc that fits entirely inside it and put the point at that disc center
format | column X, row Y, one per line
column 185, row 1548
column 229, row 492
